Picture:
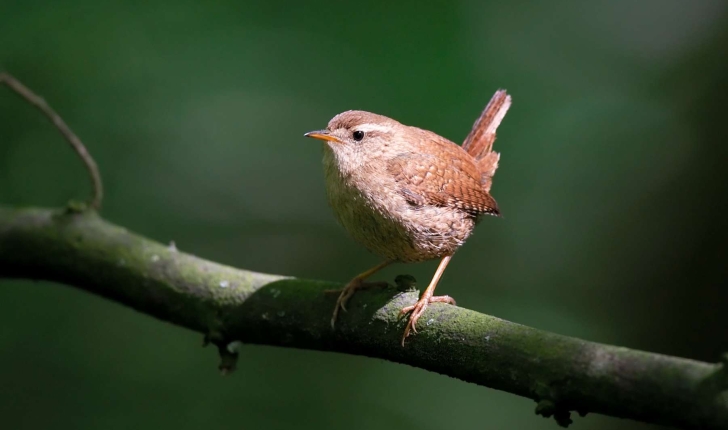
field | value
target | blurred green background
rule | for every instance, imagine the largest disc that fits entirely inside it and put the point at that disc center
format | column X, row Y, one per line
column 612, row 183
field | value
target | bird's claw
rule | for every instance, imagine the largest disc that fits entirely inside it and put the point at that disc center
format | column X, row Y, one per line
column 418, row 309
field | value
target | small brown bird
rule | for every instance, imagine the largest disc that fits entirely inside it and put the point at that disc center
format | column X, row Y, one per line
column 408, row 194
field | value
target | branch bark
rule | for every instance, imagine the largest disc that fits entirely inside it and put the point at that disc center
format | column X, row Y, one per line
column 229, row 305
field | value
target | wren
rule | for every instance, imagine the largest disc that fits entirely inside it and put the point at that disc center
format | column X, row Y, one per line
column 408, row 194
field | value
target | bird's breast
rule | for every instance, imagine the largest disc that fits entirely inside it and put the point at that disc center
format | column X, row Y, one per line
column 376, row 214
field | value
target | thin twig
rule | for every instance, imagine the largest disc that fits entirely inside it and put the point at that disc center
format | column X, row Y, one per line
column 65, row 130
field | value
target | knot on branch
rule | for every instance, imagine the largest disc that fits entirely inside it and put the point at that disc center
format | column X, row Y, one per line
column 228, row 351
column 406, row 283
column 548, row 405
column 548, row 408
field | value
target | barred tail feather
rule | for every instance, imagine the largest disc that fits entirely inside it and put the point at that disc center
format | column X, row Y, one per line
column 479, row 142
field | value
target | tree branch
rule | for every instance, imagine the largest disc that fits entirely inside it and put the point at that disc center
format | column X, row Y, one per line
column 229, row 305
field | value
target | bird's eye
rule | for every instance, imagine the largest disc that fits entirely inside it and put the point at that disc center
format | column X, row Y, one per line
column 358, row 135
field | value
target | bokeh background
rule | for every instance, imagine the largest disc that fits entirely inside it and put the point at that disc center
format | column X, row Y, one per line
column 612, row 183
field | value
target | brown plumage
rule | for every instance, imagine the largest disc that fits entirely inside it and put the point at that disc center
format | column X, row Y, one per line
column 408, row 194
column 447, row 178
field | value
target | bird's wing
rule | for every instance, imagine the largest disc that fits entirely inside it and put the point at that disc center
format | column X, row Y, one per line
column 447, row 176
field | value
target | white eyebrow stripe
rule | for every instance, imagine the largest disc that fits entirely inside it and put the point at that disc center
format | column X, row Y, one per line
column 373, row 127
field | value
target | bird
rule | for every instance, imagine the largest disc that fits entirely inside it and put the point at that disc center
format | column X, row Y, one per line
column 408, row 194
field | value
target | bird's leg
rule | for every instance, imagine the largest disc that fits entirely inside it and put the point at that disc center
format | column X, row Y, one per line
column 419, row 308
column 356, row 284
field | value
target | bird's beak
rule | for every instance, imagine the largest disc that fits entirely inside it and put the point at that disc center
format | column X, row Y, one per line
column 323, row 135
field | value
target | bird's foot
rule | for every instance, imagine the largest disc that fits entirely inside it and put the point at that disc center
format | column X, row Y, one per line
column 348, row 291
column 418, row 309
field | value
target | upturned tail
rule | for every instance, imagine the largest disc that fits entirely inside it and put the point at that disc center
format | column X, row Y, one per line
column 479, row 142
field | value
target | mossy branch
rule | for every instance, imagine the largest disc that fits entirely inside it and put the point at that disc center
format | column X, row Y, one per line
column 230, row 306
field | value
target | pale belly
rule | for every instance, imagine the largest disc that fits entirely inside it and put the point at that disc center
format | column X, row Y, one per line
column 392, row 228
